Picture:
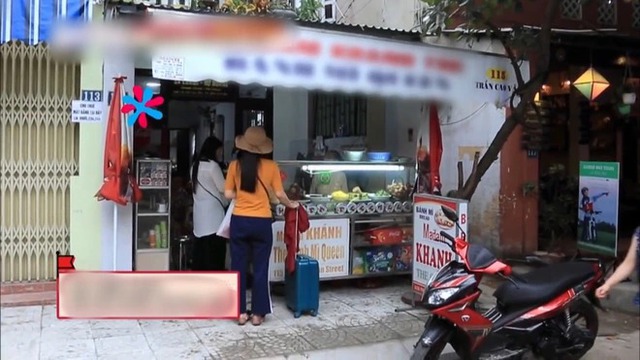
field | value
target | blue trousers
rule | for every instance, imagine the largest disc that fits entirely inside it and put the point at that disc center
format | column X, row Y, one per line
column 252, row 240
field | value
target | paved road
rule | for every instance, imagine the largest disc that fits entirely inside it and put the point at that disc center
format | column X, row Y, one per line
column 619, row 347
column 353, row 323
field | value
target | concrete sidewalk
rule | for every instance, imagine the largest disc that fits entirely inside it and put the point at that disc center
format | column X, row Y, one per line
column 353, row 323
column 348, row 317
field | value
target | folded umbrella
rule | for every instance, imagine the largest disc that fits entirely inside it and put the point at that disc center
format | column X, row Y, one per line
column 120, row 185
column 435, row 149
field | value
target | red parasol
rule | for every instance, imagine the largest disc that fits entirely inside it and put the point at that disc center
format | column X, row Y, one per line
column 120, row 185
column 435, row 149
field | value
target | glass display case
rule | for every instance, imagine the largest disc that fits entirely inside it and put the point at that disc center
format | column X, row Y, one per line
column 360, row 214
column 152, row 215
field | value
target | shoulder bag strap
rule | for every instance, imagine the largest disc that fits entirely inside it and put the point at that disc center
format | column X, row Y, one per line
column 265, row 190
column 210, row 193
column 268, row 198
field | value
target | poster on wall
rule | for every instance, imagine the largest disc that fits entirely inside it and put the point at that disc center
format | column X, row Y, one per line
column 431, row 250
column 598, row 207
column 327, row 240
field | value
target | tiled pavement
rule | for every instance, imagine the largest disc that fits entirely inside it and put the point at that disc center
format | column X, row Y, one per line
column 347, row 316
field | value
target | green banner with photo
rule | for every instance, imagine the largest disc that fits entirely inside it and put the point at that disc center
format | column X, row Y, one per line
column 598, row 207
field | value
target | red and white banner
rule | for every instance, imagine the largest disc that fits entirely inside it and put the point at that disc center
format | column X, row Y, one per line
column 431, row 251
column 331, row 61
column 146, row 295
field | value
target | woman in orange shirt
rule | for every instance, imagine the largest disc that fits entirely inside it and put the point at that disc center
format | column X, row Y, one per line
column 250, row 180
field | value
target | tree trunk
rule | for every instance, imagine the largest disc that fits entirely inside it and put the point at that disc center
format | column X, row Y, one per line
column 488, row 158
column 526, row 92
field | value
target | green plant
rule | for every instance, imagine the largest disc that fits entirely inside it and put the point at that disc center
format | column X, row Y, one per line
column 239, row 7
column 558, row 213
column 474, row 19
column 309, row 10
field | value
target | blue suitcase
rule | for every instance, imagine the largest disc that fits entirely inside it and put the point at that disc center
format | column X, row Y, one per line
column 302, row 288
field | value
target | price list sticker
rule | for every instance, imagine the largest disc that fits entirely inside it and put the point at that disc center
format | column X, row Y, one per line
column 168, row 67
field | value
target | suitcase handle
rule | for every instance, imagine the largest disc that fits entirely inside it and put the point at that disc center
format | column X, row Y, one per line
column 297, row 233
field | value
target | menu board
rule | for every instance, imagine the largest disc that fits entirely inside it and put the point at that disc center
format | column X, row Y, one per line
column 205, row 90
column 431, row 250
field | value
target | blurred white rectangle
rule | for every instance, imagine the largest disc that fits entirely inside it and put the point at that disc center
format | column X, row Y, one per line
column 148, row 295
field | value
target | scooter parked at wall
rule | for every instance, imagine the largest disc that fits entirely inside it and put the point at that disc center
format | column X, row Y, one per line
column 548, row 312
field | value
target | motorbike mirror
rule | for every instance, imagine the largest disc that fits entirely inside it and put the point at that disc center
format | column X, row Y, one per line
column 450, row 213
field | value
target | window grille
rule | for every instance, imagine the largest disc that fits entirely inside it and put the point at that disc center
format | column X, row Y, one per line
column 572, row 9
column 635, row 18
column 608, row 12
column 339, row 115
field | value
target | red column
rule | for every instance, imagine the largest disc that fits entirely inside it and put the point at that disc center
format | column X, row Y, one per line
column 519, row 213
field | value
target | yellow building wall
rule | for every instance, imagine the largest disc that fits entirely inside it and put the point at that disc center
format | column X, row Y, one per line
column 86, row 218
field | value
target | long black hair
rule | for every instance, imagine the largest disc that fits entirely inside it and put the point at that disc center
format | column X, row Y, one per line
column 248, row 163
column 206, row 153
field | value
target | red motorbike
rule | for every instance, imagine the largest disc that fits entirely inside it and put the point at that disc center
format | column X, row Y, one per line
column 548, row 312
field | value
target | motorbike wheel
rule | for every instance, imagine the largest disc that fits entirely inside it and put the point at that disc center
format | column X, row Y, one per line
column 582, row 310
column 428, row 352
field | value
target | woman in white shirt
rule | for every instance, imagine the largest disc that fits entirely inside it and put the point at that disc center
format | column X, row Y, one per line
column 209, row 207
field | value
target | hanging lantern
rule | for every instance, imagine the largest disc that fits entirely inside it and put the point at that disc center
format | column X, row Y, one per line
column 629, row 98
column 536, row 99
column 624, row 110
column 591, row 84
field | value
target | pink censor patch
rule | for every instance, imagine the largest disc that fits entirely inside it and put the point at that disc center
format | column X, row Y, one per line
column 148, row 295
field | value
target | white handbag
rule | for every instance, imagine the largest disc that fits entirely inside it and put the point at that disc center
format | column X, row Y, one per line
column 225, row 225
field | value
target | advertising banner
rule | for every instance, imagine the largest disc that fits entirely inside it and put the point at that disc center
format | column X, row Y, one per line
column 330, row 61
column 327, row 240
column 431, row 250
column 598, row 207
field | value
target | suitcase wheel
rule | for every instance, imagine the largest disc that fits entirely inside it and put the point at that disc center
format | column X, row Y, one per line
column 313, row 313
column 297, row 314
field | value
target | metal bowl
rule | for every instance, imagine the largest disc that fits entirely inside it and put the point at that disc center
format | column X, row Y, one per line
column 353, row 155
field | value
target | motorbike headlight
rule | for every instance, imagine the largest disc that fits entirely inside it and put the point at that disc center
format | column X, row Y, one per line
column 439, row 296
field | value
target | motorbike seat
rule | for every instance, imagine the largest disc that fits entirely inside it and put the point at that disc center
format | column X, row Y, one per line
column 479, row 257
column 542, row 285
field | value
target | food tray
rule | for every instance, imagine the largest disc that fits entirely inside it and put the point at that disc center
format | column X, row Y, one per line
column 316, row 199
column 377, row 198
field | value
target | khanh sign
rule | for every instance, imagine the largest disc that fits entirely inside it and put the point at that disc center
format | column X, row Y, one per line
column 326, row 240
column 330, row 61
column 431, row 250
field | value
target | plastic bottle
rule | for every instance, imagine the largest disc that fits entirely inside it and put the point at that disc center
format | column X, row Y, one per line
column 158, row 236
column 152, row 239
column 163, row 234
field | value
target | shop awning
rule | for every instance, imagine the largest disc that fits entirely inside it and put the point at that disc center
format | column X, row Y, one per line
column 333, row 61
column 32, row 21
